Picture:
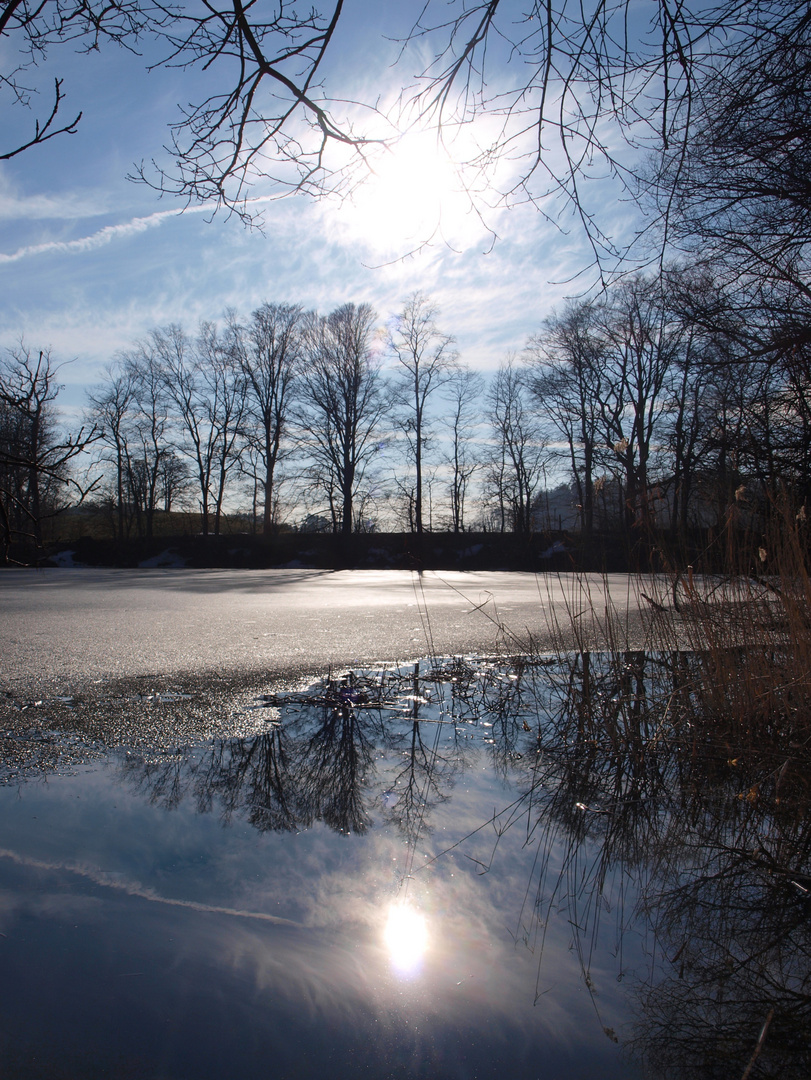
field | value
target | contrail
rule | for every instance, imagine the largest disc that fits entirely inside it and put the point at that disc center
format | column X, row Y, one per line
column 95, row 240
column 133, row 888
column 109, row 233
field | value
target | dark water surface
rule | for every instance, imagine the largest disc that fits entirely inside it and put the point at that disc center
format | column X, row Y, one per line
column 440, row 871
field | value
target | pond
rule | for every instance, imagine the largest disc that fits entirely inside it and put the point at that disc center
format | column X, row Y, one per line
column 464, row 867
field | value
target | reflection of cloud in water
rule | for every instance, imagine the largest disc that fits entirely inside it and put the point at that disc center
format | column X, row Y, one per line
column 48, row 905
column 472, row 972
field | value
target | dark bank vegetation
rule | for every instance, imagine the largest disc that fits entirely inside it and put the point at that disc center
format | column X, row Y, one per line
column 688, row 762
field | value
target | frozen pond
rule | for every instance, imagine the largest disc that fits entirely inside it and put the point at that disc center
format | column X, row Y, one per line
column 77, row 624
column 461, row 868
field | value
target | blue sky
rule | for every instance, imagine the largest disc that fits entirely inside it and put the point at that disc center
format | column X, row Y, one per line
column 89, row 261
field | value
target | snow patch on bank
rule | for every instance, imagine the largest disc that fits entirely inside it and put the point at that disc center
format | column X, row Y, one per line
column 168, row 559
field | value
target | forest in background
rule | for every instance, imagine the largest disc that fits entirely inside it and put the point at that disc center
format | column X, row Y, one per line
column 626, row 421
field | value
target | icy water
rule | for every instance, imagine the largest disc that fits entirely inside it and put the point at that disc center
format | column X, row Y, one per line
column 461, row 868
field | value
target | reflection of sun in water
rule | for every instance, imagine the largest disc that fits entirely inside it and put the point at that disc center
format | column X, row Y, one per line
column 414, row 195
column 406, row 937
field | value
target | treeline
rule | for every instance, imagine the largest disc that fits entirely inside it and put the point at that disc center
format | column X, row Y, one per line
column 656, row 415
column 37, row 456
column 672, row 405
column 326, row 421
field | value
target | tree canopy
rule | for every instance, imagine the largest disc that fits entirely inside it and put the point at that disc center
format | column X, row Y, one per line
column 553, row 93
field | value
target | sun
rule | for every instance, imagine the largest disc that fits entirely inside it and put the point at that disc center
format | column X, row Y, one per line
column 415, row 194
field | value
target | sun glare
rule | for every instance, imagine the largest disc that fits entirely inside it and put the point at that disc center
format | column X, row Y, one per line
column 413, row 195
column 406, row 937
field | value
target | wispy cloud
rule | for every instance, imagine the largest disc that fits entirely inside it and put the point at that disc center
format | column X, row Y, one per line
column 17, row 206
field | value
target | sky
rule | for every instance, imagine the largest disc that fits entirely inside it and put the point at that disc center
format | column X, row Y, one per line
column 90, row 261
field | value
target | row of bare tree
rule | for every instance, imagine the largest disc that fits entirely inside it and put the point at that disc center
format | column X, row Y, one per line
column 658, row 414
column 657, row 393
column 287, row 396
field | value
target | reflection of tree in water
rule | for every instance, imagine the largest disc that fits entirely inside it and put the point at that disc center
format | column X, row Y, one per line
column 250, row 775
column 731, row 902
column 734, row 931
column 233, row 775
column 317, row 763
column 645, row 797
column 335, row 765
column 282, row 780
column 165, row 779
column 270, row 796
column 426, row 761
column 508, row 700
column 417, row 782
